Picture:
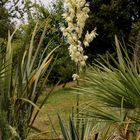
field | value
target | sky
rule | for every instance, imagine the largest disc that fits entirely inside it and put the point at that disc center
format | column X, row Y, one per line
column 47, row 3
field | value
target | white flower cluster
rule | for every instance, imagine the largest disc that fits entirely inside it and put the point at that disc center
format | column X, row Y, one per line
column 76, row 17
column 75, row 77
column 89, row 37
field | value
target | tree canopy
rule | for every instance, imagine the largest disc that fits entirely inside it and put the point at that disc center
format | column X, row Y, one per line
column 111, row 17
column 5, row 23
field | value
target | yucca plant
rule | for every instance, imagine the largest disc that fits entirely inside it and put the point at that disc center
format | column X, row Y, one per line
column 114, row 89
column 71, row 132
column 21, row 85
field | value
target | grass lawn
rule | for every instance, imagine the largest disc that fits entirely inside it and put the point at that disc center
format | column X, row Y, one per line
column 60, row 101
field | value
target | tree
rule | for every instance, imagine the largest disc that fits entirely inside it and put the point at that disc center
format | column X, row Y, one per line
column 5, row 23
column 10, row 10
column 61, row 71
column 111, row 17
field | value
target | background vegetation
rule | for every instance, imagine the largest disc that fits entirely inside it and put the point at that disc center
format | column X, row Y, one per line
column 34, row 58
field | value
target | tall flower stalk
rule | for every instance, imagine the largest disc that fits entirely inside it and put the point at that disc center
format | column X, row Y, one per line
column 75, row 17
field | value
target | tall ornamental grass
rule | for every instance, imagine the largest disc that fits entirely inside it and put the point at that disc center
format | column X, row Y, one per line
column 21, row 85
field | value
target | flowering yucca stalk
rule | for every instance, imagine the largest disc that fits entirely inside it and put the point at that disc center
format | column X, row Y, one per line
column 76, row 16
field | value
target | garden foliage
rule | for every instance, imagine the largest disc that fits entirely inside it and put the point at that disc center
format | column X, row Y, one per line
column 21, row 85
column 113, row 87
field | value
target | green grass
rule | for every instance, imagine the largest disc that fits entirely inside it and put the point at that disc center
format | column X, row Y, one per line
column 60, row 101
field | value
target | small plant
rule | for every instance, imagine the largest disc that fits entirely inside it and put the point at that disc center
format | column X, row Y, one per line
column 85, row 129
